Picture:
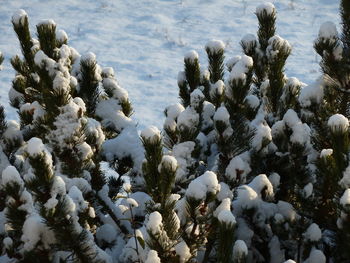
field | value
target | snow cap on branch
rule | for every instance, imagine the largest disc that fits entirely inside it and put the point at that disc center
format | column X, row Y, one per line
column 267, row 7
column 151, row 134
column 338, row 123
column 19, row 17
column 215, row 46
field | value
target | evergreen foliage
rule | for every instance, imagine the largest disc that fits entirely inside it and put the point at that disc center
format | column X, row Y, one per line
column 252, row 165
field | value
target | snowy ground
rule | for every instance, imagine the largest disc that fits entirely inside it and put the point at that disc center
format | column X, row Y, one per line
column 145, row 40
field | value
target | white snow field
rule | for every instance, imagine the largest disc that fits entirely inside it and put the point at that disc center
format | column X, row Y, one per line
column 145, row 40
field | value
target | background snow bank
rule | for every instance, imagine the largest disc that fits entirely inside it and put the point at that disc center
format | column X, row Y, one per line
column 145, row 40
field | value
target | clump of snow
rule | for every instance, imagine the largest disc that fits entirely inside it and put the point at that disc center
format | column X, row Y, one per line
column 215, row 46
column 225, row 192
column 132, row 202
column 316, row 256
column 13, row 131
column 191, row 56
column 338, row 123
column 168, row 162
column 261, row 137
column 106, row 233
column 313, row 233
column 252, row 101
column 61, row 35
column 311, row 94
column 260, row 183
column 237, row 169
column 225, row 205
column 222, row 114
column 227, row 217
column 301, row 131
column 154, row 224
column 174, row 110
column 267, row 8
column 308, row 189
column 126, row 144
column 183, row 251
column 8, row 242
column 34, row 230
column 35, row 146
column 89, row 57
column 202, row 185
column 196, row 98
column 345, row 199
column 249, row 40
column 328, row 30
column 151, row 134
column 19, row 17
column 11, row 175
column 231, row 62
column 240, row 249
column 183, row 154
column 276, row 45
column 345, row 181
column 326, row 152
column 286, row 210
column 48, row 22
column 240, row 69
column 188, row 119
column 217, row 89
column 152, row 257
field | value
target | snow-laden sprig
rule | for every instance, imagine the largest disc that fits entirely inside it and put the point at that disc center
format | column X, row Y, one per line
column 338, row 123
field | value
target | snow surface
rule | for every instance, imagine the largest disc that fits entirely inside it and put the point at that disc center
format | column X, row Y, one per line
column 145, row 41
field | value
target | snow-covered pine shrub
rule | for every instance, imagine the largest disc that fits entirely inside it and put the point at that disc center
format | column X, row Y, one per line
column 56, row 199
column 325, row 105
